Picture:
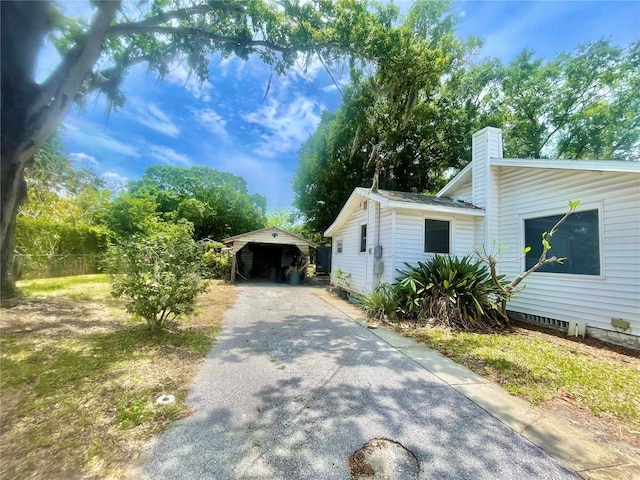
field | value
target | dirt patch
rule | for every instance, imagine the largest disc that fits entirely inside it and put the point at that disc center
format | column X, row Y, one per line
column 81, row 380
column 382, row 458
column 591, row 346
column 58, row 316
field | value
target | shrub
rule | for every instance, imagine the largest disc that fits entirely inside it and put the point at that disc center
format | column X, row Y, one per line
column 383, row 303
column 454, row 292
column 159, row 275
column 216, row 262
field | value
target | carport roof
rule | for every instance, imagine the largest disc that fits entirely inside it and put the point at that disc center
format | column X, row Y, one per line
column 269, row 235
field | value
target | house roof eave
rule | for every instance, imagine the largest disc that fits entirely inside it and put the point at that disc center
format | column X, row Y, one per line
column 455, row 181
column 473, row 212
column 618, row 166
column 344, row 212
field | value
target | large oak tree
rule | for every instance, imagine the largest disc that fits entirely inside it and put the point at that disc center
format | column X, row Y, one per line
column 408, row 118
column 418, row 112
column 96, row 56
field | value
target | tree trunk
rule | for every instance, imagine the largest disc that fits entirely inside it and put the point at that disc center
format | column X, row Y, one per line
column 12, row 194
column 31, row 113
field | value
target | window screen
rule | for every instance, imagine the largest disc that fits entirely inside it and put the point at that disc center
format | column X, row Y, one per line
column 436, row 236
column 339, row 246
column 577, row 239
column 363, row 238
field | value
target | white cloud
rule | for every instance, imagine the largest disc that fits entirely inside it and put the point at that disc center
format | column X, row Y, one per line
column 329, row 88
column 286, row 126
column 168, row 155
column 150, row 115
column 87, row 161
column 311, row 66
column 114, row 180
column 180, row 75
column 89, row 137
column 213, row 122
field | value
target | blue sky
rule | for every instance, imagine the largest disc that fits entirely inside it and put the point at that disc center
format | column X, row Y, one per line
column 228, row 124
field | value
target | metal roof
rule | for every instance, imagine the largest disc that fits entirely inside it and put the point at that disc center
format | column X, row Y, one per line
column 296, row 239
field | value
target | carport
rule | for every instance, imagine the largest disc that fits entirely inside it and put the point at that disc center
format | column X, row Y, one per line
column 266, row 253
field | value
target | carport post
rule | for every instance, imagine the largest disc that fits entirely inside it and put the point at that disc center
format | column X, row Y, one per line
column 233, row 267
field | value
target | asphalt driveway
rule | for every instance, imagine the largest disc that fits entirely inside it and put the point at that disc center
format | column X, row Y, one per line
column 292, row 387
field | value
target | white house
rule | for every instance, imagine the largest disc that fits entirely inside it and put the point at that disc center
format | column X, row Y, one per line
column 510, row 202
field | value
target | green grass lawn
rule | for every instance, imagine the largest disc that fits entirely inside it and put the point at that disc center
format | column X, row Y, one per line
column 80, row 287
column 540, row 369
column 78, row 388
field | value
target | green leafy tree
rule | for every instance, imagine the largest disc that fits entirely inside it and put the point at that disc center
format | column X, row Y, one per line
column 130, row 215
column 284, row 218
column 218, row 204
column 158, row 275
column 582, row 104
column 57, row 230
column 216, row 261
column 402, row 123
column 97, row 55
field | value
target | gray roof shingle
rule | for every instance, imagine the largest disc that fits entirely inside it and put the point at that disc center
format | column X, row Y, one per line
column 420, row 198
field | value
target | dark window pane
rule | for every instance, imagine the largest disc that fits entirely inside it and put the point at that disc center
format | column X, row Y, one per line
column 436, row 236
column 363, row 238
column 577, row 239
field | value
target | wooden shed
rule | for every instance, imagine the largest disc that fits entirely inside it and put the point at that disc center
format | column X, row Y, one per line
column 266, row 253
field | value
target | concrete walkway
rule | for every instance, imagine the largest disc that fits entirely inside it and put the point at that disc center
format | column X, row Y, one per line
column 574, row 448
column 296, row 383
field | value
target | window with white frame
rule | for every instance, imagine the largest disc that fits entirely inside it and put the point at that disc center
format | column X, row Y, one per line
column 437, row 236
column 339, row 245
column 363, row 237
column 577, row 240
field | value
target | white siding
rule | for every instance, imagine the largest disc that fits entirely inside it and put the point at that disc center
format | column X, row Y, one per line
column 409, row 237
column 266, row 235
column 487, row 144
column 387, row 242
column 463, row 191
column 480, row 163
column 351, row 260
column 616, row 292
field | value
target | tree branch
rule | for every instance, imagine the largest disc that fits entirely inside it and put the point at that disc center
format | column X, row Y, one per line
column 59, row 90
column 128, row 29
column 182, row 13
column 99, row 79
column 543, row 260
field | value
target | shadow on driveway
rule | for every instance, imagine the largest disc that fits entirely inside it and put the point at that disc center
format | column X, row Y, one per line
column 293, row 387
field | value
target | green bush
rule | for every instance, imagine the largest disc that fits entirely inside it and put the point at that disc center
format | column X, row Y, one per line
column 453, row 292
column 46, row 247
column 216, row 262
column 159, row 275
column 384, row 302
